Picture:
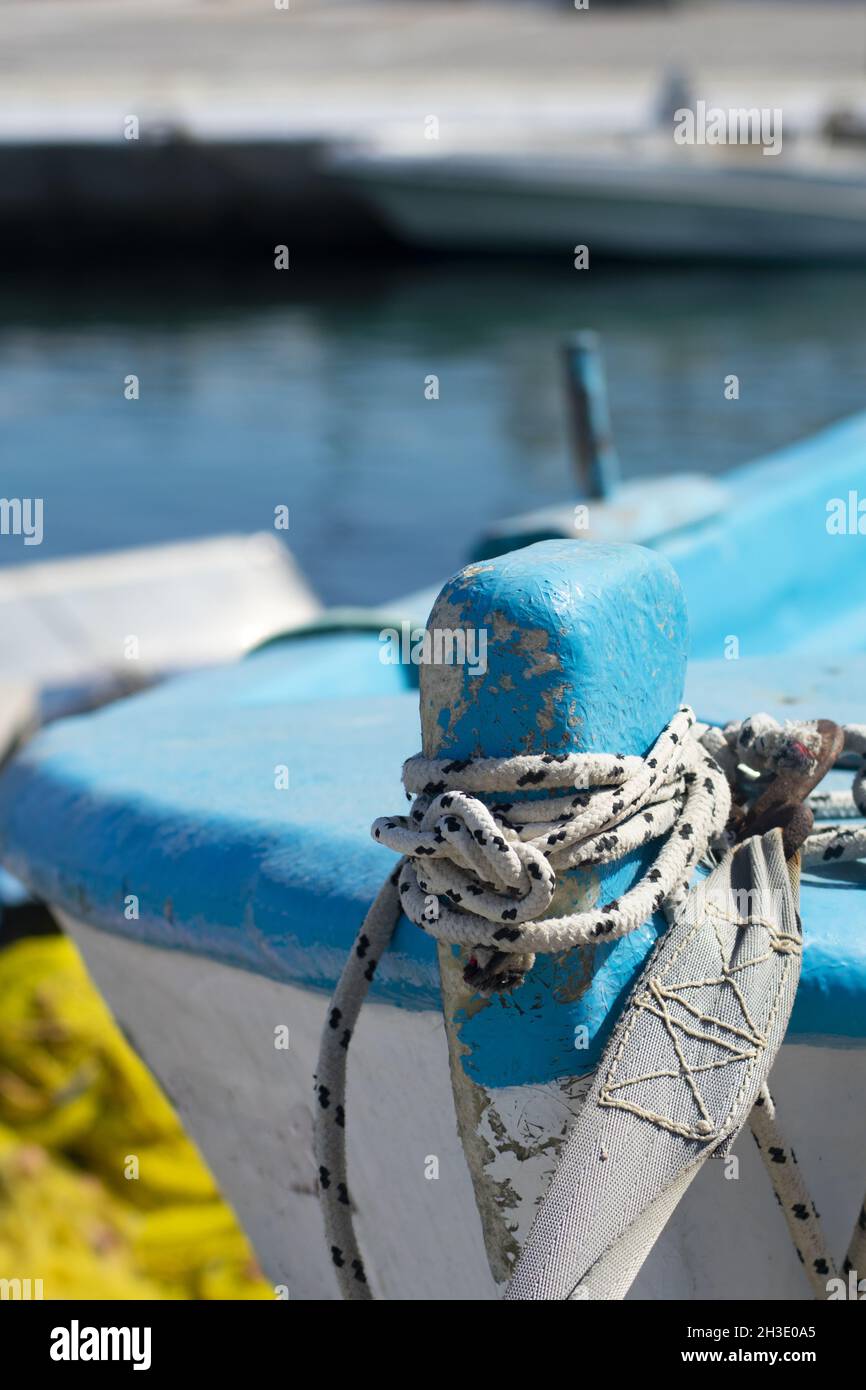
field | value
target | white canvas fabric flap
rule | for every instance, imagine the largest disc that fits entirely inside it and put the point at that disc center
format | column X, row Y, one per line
column 677, row 1080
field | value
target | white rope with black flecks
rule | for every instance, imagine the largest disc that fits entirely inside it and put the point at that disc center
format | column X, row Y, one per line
column 483, row 875
column 800, row 1213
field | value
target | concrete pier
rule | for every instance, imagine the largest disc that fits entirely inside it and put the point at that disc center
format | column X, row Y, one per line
column 235, row 99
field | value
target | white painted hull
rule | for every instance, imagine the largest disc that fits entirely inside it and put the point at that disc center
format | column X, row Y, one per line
column 624, row 206
column 84, row 630
column 207, row 1031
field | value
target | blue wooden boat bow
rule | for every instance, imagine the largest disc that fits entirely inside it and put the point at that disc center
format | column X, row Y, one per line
column 170, row 796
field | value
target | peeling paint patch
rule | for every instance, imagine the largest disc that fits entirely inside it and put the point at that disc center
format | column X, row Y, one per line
column 502, row 626
column 445, row 693
column 470, row 571
column 533, row 643
column 511, row 1136
column 493, row 1195
column 546, row 718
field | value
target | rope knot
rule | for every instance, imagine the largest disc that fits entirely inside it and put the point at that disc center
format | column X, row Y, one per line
column 483, row 873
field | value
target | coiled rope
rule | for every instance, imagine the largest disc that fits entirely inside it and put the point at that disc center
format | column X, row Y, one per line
column 482, row 874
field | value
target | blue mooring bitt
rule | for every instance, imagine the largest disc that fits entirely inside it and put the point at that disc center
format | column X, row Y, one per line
column 586, row 652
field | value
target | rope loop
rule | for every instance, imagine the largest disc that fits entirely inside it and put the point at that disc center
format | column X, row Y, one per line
column 483, row 874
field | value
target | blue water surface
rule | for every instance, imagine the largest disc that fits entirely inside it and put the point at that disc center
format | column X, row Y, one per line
column 312, row 394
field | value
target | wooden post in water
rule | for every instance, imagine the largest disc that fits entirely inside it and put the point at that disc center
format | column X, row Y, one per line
column 597, row 461
column 586, row 650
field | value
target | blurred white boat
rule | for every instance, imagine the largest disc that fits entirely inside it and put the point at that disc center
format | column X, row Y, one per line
column 626, row 196
column 85, row 630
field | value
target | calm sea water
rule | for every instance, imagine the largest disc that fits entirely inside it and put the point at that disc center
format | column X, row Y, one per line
column 312, row 395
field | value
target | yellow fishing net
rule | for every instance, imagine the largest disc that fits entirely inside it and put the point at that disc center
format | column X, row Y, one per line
column 101, row 1193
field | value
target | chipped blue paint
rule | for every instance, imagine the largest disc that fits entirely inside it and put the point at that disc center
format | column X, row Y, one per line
column 590, row 652
column 586, row 651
